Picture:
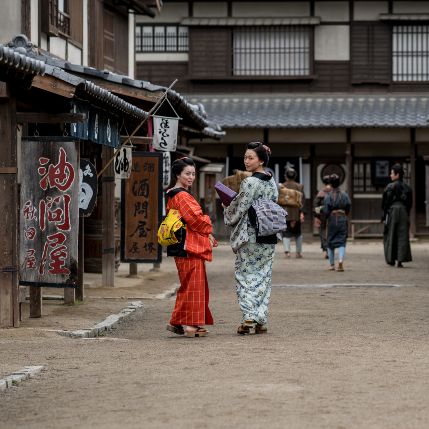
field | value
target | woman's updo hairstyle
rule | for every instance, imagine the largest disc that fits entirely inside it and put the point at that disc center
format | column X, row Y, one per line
column 335, row 180
column 290, row 173
column 180, row 164
column 263, row 152
column 397, row 169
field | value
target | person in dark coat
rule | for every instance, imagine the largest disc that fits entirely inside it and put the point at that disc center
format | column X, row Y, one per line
column 396, row 204
column 319, row 216
column 295, row 215
column 336, row 207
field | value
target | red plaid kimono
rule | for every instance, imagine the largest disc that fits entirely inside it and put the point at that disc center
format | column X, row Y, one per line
column 192, row 302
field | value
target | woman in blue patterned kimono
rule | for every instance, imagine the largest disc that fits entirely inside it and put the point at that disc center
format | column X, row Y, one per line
column 254, row 256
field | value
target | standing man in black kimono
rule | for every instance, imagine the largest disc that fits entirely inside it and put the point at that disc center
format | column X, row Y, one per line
column 396, row 204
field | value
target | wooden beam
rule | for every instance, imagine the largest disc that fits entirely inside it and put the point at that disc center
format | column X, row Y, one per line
column 49, row 118
column 54, row 85
column 4, row 90
column 413, row 151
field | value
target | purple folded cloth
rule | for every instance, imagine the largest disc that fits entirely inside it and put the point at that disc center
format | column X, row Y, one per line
column 226, row 194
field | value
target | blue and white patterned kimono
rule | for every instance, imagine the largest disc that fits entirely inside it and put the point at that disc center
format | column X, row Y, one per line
column 254, row 261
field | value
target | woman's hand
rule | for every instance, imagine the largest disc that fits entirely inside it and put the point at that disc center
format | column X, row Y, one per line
column 213, row 241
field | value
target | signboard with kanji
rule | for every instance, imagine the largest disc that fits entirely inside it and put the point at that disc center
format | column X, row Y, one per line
column 141, row 209
column 123, row 162
column 165, row 133
column 49, row 213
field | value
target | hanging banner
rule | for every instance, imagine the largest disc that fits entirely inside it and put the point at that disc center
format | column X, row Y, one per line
column 165, row 133
column 166, row 169
column 123, row 162
column 98, row 128
column 49, row 213
column 88, row 185
column 141, row 209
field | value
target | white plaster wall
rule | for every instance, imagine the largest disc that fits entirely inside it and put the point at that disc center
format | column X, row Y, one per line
column 34, row 21
column 369, row 10
column 389, row 135
column 170, row 12
column 44, row 41
column 411, row 7
column 332, row 43
column 58, row 47
column 206, row 10
column 131, row 44
column 327, row 135
column 74, row 54
column 10, row 20
column 270, row 9
column 162, row 56
column 332, row 10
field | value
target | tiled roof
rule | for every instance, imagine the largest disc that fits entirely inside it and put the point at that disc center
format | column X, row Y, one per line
column 316, row 111
column 238, row 22
column 20, row 58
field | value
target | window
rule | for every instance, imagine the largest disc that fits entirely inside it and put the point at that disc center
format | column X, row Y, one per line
column 58, row 17
column 365, row 175
column 410, row 53
column 161, row 38
column 271, row 51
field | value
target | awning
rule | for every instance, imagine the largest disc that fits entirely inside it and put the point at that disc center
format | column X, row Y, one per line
column 316, row 111
column 246, row 22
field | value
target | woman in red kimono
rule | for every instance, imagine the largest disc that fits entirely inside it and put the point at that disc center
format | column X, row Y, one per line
column 191, row 309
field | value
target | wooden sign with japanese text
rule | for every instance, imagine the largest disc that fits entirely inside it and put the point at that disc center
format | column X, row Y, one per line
column 49, row 212
column 141, row 209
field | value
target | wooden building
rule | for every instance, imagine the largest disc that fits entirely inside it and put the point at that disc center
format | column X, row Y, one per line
column 55, row 92
column 328, row 85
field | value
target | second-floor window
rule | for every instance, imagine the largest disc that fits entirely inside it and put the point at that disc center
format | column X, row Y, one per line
column 410, row 53
column 271, row 51
column 161, row 38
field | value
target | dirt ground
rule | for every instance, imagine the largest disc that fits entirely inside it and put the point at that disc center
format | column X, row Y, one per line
column 344, row 350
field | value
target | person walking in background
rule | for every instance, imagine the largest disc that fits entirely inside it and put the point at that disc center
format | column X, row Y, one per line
column 396, row 204
column 336, row 207
column 254, row 256
column 319, row 215
column 192, row 302
column 291, row 198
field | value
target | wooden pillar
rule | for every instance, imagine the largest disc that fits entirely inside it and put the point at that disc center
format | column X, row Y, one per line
column 413, row 148
column 349, row 162
column 108, row 221
column 133, row 270
column 80, row 289
column 9, row 305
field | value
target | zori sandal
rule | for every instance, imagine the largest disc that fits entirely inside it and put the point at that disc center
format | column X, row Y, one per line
column 176, row 329
column 196, row 332
column 260, row 329
column 246, row 327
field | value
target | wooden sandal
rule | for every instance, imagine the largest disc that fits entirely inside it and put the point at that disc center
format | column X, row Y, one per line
column 260, row 329
column 198, row 332
column 176, row 329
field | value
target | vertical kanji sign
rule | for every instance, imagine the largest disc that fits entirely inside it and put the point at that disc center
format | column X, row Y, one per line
column 49, row 213
column 141, row 209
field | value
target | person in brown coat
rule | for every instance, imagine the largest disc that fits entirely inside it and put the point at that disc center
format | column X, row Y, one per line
column 295, row 215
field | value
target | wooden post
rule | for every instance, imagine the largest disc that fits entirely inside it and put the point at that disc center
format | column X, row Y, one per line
column 349, row 163
column 9, row 290
column 108, row 221
column 133, row 270
column 413, row 181
column 80, row 292
column 35, row 302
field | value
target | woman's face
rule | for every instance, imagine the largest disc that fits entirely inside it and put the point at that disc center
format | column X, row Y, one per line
column 186, row 177
column 251, row 161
